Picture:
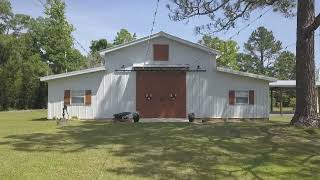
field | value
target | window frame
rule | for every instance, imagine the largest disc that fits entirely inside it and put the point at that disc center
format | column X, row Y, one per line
column 237, row 96
column 83, row 95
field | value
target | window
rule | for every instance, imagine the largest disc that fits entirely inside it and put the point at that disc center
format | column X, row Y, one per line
column 160, row 52
column 242, row 97
column 77, row 97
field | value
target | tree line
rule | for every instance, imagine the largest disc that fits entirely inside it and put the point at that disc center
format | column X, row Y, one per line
column 31, row 48
column 34, row 47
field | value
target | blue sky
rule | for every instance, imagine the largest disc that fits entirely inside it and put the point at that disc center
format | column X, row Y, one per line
column 97, row 19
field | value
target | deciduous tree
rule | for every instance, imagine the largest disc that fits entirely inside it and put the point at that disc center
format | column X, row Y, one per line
column 228, row 50
column 55, row 38
column 124, row 36
column 26, row 44
column 98, row 45
column 5, row 15
column 285, row 66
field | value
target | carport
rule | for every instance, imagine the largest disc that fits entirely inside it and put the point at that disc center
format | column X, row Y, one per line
column 281, row 86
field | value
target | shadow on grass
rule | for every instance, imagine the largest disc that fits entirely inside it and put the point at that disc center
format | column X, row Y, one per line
column 40, row 119
column 188, row 151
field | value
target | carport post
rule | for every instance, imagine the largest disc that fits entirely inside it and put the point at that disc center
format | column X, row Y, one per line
column 281, row 100
column 318, row 95
column 271, row 100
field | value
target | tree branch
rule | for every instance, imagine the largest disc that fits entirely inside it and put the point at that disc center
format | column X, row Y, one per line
column 231, row 20
column 315, row 24
column 271, row 2
column 223, row 14
column 198, row 9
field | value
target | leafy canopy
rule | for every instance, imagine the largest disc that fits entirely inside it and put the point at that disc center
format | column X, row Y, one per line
column 285, row 66
column 94, row 59
column 26, row 45
column 56, row 38
column 228, row 50
column 98, row 45
column 5, row 15
column 124, row 36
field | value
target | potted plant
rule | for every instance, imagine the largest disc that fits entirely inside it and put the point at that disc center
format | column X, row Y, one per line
column 191, row 117
column 135, row 117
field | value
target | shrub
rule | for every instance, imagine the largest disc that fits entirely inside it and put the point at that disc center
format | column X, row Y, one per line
column 292, row 102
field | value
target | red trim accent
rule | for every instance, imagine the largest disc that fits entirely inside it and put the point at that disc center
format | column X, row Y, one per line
column 66, row 97
column 160, row 52
column 88, row 97
column 232, row 97
column 251, row 97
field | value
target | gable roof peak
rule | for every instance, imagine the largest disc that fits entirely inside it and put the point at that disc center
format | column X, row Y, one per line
column 159, row 34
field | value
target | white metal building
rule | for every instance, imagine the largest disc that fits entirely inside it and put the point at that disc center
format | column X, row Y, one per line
column 164, row 76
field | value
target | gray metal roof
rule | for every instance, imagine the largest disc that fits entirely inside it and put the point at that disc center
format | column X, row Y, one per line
column 159, row 34
column 73, row 73
column 287, row 83
column 251, row 75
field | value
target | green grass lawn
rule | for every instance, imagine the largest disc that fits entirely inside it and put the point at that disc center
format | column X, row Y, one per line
column 284, row 109
column 34, row 148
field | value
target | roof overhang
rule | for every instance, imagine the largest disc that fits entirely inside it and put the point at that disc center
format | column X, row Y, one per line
column 250, row 75
column 159, row 34
column 73, row 73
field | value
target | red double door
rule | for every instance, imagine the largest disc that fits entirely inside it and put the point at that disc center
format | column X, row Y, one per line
column 161, row 94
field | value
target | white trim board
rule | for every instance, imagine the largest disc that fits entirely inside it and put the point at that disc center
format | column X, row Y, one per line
column 73, row 73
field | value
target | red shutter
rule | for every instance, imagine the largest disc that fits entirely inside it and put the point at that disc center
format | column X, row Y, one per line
column 67, row 97
column 251, row 97
column 88, row 97
column 160, row 52
column 232, row 97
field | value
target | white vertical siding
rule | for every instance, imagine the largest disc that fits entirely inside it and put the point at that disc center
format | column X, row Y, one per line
column 178, row 54
column 111, row 93
column 114, row 92
column 118, row 94
column 208, row 93
column 91, row 81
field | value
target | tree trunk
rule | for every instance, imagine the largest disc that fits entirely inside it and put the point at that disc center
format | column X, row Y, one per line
column 306, row 108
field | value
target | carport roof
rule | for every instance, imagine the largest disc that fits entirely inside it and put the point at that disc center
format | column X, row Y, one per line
column 287, row 83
